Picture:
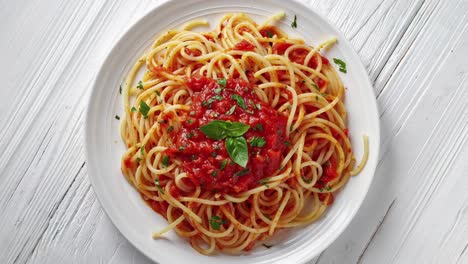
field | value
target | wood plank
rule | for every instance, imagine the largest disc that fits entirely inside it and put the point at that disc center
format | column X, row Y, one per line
column 420, row 182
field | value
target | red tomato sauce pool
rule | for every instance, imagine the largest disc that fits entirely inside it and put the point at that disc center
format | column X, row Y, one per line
column 206, row 161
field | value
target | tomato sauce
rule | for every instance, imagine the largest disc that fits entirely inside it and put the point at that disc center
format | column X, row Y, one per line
column 206, row 161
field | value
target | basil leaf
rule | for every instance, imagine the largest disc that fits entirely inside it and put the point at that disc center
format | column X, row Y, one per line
column 239, row 100
column 144, row 109
column 237, row 150
column 219, row 129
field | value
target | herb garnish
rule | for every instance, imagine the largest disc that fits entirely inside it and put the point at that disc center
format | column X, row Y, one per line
column 223, row 164
column 219, row 129
column 269, row 34
column 144, row 109
column 242, row 172
column 156, row 182
column 133, row 109
column 265, row 182
column 222, row 82
column 341, row 64
column 117, row 117
column 165, row 161
column 231, row 110
column 239, row 100
column 257, row 142
column 236, row 145
column 140, row 85
column 170, row 129
column 294, row 23
column 216, row 222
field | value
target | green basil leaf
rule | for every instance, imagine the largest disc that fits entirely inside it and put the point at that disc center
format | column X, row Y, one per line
column 237, row 150
column 219, row 129
column 240, row 101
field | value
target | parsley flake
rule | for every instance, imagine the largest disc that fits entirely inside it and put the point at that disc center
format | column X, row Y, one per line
column 165, row 161
column 341, row 64
column 144, row 109
column 294, row 23
column 158, row 185
column 216, row 222
column 140, row 85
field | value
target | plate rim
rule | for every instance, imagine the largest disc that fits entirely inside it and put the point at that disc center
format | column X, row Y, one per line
column 373, row 116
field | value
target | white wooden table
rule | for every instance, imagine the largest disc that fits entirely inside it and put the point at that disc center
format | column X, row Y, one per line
column 416, row 53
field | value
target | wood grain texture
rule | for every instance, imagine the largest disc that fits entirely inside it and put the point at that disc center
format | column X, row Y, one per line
column 416, row 210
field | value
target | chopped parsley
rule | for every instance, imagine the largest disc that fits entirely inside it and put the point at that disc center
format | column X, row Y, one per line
column 181, row 149
column 144, row 109
column 269, row 34
column 265, row 182
column 214, row 154
column 193, row 157
column 239, row 100
column 165, row 161
column 294, row 23
column 158, row 93
column 287, row 143
column 259, row 127
column 211, row 100
column 214, row 173
column 216, row 222
column 341, row 64
column 117, row 117
column 120, row 89
column 156, row 182
column 222, row 82
column 192, row 113
column 142, row 149
column 223, row 164
column 189, row 135
column 138, row 160
column 306, row 180
column 190, row 121
column 170, row 129
column 242, row 172
column 140, row 85
column 133, row 109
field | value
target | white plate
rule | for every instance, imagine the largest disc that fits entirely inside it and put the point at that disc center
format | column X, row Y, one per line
column 104, row 147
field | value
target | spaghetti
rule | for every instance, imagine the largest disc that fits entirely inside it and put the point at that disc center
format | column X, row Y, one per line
column 235, row 133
